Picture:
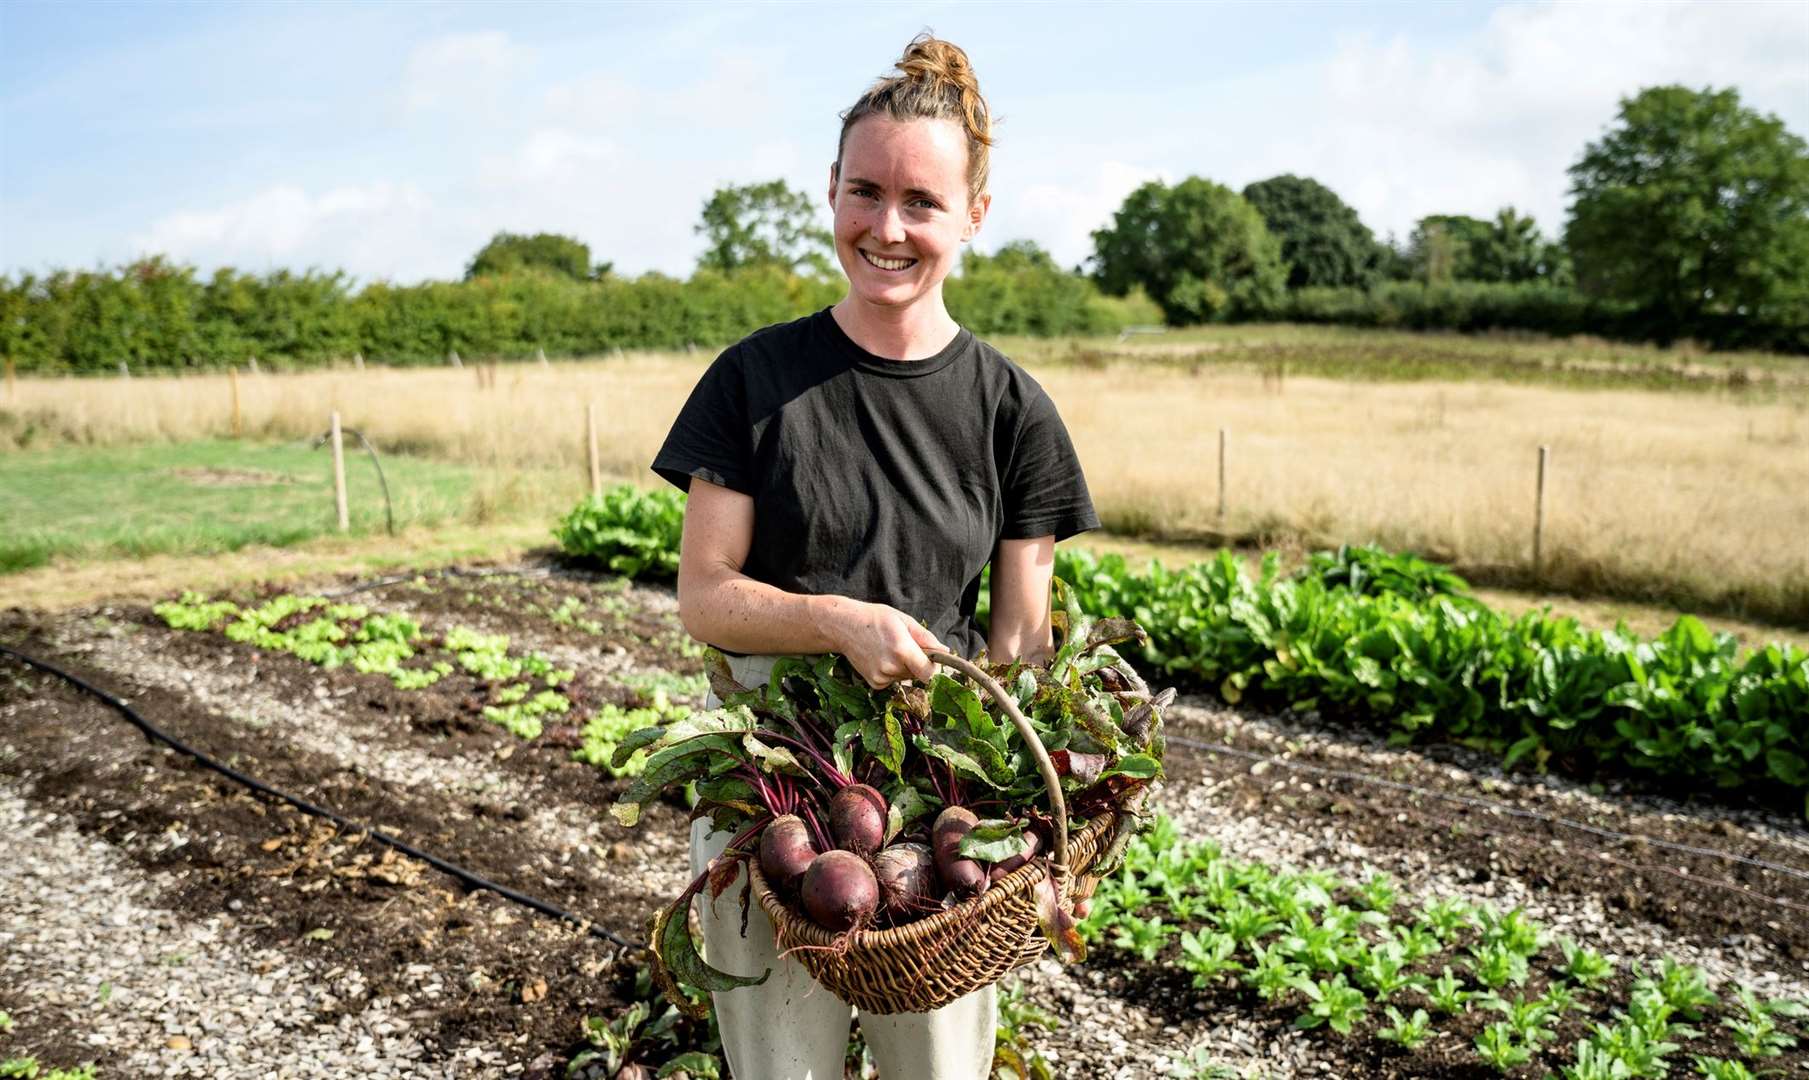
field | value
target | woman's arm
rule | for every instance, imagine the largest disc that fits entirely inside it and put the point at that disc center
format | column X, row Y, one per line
column 721, row 605
column 1021, row 626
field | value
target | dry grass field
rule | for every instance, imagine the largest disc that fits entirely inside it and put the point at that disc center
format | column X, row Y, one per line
column 1697, row 497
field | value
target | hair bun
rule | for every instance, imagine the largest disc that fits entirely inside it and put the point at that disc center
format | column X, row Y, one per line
column 934, row 81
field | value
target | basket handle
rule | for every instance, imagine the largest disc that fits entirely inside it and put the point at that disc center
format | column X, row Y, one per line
column 1057, row 805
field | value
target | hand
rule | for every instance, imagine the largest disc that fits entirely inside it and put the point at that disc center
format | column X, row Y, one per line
column 883, row 643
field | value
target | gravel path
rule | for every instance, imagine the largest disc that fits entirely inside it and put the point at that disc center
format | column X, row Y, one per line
column 82, row 947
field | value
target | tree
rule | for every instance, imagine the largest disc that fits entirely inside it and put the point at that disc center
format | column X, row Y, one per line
column 1691, row 206
column 1198, row 249
column 1447, row 247
column 1014, row 256
column 764, row 225
column 1322, row 239
column 508, row 253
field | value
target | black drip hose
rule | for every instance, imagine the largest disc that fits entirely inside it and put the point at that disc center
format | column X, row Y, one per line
column 471, row 880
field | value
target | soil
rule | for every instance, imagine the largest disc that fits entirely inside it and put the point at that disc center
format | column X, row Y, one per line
column 526, row 982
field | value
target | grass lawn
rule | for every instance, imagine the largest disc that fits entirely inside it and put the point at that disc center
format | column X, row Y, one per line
column 206, row 497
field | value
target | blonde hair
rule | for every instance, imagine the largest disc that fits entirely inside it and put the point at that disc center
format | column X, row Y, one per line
column 935, row 82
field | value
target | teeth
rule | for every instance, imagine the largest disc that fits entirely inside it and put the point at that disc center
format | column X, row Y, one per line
column 888, row 264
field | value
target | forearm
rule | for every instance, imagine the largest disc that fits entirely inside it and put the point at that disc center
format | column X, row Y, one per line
column 735, row 612
column 1020, row 641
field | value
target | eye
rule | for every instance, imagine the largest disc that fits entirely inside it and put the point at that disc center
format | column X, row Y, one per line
column 863, row 192
column 928, row 204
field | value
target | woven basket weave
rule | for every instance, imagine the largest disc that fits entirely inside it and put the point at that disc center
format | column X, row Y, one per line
column 926, row 964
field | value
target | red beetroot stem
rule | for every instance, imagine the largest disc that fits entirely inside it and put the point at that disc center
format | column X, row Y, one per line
column 816, row 828
column 836, row 776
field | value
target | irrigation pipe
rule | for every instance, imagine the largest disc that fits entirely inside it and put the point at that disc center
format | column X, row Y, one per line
column 1489, row 804
column 471, row 880
column 389, row 511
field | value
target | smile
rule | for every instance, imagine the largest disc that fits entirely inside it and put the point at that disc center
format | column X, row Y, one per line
column 889, row 265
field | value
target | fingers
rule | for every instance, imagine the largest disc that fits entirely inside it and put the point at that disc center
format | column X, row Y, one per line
column 892, row 646
column 922, row 667
column 925, row 640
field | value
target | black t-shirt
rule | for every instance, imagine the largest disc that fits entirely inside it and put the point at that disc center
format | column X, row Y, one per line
column 888, row 481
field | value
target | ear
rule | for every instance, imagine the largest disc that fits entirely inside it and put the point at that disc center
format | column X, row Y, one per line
column 834, row 182
column 976, row 214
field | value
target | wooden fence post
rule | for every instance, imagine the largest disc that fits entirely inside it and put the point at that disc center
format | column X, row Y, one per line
column 253, row 364
column 453, row 359
column 238, row 422
column 590, row 442
column 1221, row 474
column 1539, row 515
column 540, row 355
column 339, row 500
column 124, row 371
column 358, row 361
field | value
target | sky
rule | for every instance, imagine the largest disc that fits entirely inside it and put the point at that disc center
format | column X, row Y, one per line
column 392, row 140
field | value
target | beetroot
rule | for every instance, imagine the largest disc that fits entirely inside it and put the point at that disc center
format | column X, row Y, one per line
column 840, row 892
column 964, row 876
column 907, row 879
column 1006, row 866
column 786, row 851
column 857, row 819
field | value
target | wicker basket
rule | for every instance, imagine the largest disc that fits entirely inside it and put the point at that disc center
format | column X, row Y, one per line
column 926, row 964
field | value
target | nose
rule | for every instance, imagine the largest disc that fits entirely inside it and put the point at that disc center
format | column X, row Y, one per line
column 889, row 226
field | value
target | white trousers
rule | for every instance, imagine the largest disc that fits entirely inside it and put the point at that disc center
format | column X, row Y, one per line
column 791, row 1028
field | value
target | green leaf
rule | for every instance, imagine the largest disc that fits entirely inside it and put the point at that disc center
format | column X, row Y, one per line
column 675, row 955
column 689, row 760
column 994, row 840
column 883, row 738
column 699, row 1065
column 905, row 804
column 770, row 758
column 964, row 754
column 950, row 697
column 1141, row 766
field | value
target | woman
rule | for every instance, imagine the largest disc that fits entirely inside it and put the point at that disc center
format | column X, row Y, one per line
column 850, row 475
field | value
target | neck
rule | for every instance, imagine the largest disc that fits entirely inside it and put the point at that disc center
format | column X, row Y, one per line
column 914, row 332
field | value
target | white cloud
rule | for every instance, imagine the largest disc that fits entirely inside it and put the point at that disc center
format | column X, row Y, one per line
column 548, row 158
column 380, row 229
column 1402, row 127
column 1403, row 130
column 1062, row 216
column 462, row 72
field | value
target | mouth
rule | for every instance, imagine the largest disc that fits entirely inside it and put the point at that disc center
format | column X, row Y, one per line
column 890, row 266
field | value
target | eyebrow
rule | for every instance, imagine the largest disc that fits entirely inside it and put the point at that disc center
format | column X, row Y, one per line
column 857, row 181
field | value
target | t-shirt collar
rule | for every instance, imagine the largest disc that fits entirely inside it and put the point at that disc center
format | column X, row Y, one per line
column 879, row 365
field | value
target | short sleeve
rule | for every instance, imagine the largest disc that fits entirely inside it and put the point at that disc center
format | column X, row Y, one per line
column 712, row 438
column 1045, row 491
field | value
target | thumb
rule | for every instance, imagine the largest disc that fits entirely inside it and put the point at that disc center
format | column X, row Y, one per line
column 926, row 640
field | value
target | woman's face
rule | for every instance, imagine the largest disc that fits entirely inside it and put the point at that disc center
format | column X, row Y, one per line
column 901, row 208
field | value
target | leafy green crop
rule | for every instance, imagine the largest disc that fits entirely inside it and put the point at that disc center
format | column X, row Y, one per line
column 1398, row 641
column 1439, row 663
column 611, row 724
column 632, row 532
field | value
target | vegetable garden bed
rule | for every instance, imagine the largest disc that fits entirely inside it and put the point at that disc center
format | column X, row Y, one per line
column 466, row 984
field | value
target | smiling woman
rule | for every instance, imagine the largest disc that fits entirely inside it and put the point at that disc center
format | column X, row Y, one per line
column 851, row 476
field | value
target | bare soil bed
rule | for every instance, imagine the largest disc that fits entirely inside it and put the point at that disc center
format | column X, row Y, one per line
column 322, row 942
